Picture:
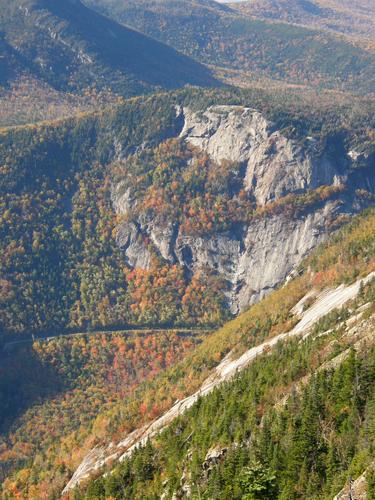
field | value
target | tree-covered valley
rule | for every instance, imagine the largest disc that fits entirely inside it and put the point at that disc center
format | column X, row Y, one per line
column 60, row 255
column 252, row 398
column 187, row 236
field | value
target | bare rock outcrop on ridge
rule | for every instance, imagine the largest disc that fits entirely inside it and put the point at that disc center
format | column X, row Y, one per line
column 255, row 258
column 274, row 164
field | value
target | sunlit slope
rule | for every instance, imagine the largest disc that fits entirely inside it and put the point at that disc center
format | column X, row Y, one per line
column 218, row 35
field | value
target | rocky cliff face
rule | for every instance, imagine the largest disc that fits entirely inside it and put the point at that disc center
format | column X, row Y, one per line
column 274, row 165
column 253, row 258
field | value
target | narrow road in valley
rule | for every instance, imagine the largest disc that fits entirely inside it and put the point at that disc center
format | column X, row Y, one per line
column 135, row 331
column 325, row 302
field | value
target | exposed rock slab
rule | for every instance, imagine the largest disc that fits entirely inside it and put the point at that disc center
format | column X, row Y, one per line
column 256, row 257
column 357, row 489
column 326, row 301
column 275, row 164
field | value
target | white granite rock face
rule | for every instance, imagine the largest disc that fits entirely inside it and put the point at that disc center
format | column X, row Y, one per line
column 275, row 165
column 273, row 247
column 257, row 258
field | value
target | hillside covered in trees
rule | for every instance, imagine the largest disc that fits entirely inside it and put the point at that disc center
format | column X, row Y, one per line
column 298, row 422
column 187, row 236
column 60, row 58
column 52, row 391
column 71, row 47
column 75, row 58
column 251, row 428
column 303, row 448
column 61, row 265
column 256, row 48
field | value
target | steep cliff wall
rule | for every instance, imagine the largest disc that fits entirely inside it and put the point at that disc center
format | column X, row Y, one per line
column 273, row 171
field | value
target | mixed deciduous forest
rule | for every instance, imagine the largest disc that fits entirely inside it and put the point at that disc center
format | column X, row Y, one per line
column 51, row 393
column 61, row 267
column 156, row 264
column 348, row 256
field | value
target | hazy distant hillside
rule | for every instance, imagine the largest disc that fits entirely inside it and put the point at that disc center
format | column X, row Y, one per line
column 355, row 18
column 218, row 35
column 72, row 48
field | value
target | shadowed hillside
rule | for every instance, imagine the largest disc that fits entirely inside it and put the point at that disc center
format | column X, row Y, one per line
column 72, row 48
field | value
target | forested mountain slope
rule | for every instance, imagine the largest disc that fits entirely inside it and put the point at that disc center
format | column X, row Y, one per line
column 74, row 49
column 52, row 391
column 356, row 19
column 220, row 36
column 83, row 364
column 298, row 416
column 187, row 269
column 307, row 445
column 74, row 257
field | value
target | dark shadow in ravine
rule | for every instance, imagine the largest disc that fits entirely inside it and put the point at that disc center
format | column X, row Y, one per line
column 24, row 381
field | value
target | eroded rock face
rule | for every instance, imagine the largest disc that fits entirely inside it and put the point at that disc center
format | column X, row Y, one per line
column 275, row 165
column 254, row 258
column 273, row 247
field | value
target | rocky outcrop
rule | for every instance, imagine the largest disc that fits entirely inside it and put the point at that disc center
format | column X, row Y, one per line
column 274, row 165
column 255, row 262
column 324, row 302
column 256, row 257
column 356, row 489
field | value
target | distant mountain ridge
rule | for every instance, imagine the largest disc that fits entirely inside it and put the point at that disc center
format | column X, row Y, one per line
column 355, row 19
column 226, row 37
column 72, row 47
